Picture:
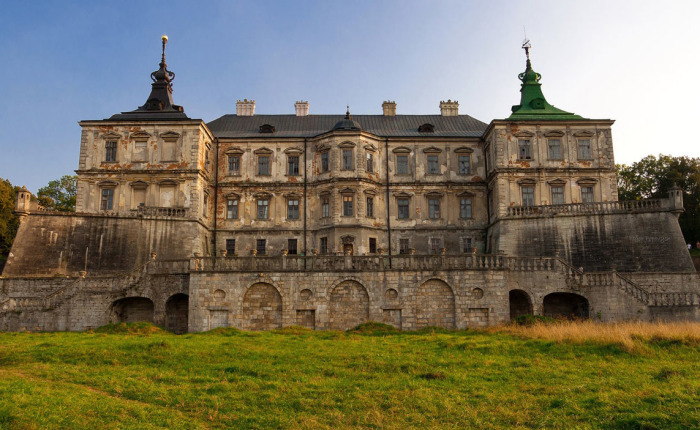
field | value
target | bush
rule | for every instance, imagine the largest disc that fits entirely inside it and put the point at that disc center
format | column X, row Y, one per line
column 528, row 320
column 374, row 328
column 140, row 327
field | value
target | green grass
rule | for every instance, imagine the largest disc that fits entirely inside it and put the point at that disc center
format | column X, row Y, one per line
column 371, row 377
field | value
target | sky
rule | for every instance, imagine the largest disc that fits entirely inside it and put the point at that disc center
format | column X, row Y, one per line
column 632, row 61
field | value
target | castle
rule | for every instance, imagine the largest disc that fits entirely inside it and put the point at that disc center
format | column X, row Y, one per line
column 327, row 221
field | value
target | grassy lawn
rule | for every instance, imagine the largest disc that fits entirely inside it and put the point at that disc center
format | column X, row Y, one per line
column 510, row 377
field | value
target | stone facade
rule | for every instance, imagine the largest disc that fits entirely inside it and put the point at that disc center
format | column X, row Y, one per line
column 328, row 221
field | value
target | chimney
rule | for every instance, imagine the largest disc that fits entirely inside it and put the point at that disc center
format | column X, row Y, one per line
column 301, row 108
column 245, row 107
column 389, row 108
column 449, row 108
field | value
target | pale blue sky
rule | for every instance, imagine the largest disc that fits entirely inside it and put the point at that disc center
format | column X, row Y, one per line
column 635, row 62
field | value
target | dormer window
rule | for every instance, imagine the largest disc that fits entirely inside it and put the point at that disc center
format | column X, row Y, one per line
column 267, row 128
column 426, row 128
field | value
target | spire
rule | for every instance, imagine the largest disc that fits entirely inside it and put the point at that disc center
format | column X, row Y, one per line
column 533, row 105
column 347, row 113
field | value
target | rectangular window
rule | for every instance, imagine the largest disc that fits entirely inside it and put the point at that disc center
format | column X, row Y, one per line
column 107, row 199
column 234, row 164
column 232, row 208
column 524, row 149
column 584, row 149
column 403, row 208
column 528, row 196
column 402, row 164
column 434, row 208
column 467, row 245
column 464, row 164
column 325, row 207
column 205, row 206
column 260, row 246
column 557, row 195
column 324, row 162
column 433, row 166
column 435, row 245
column 370, row 162
column 404, row 246
column 586, row 194
column 323, row 244
column 293, row 165
column 292, row 246
column 169, row 150
column 554, row 149
column 347, row 205
column 347, row 159
column 465, row 208
column 263, row 165
column 370, row 207
column 140, row 151
column 372, row 245
column 111, row 151
column 293, row 209
column 263, row 209
column 230, row 246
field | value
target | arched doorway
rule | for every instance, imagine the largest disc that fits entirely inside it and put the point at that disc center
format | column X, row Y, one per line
column 520, row 304
column 567, row 305
column 349, row 306
column 435, row 305
column 262, row 308
column 132, row 309
column 176, row 313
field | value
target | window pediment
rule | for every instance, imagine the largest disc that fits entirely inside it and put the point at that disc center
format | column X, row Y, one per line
column 233, row 196
column 347, row 144
column 557, row 182
column 262, row 151
column 234, row 151
column 587, row 181
column 293, row 151
column 324, row 193
column 464, row 150
column 554, row 133
column 346, row 191
column 111, row 136
column 139, row 185
column 370, row 147
column 139, row 135
column 370, row 192
column 167, row 182
column 524, row 134
column 466, row 194
column 107, row 184
column 434, row 194
column 584, row 134
column 170, row 135
column 262, row 196
column 526, row 181
column 432, row 150
column 402, row 150
column 403, row 195
column 292, row 196
column 323, row 147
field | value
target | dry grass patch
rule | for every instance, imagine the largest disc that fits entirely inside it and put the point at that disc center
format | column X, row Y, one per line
column 629, row 335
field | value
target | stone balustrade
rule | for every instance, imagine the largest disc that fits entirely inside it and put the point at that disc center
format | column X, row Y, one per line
column 650, row 205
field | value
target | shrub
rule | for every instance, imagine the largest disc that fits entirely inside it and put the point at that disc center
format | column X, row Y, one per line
column 529, row 320
column 141, row 327
column 374, row 328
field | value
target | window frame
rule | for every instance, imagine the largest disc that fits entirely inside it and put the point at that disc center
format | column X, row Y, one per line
column 550, row 140
column 584, row 152
column 290, row 206
column 460, row 164
column 369, row 167
column 559, row 193
column 407, row 206
column 434, row 203
column 325, row 162
column 236, row 164
column 348, row 202
column 347, row 159
column 291, row 165
column 372, row 245
column 261, row 246
column 292, row 250
column 524, row 148
column 432, row 166
column 230, row 246
column 527, row 202
column 369, row 206
column 260, row 158
column 265, row 207
column 111, row 151
column 591, row 194
column 325, row 206
column 402, row 166
column 466, row 203
column 407, row 249
column 323, row 245
column 109, row 193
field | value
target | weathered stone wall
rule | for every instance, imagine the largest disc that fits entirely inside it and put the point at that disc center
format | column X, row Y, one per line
column 637, row 242
column 65, row 244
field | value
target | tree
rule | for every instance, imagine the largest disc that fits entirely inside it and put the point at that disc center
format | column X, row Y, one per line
column 59, row 195
column 653, row 177
column 9, row 222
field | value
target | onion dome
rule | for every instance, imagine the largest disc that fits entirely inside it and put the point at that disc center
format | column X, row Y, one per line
column 347, row 123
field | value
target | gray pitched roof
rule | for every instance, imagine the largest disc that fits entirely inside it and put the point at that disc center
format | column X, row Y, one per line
column 233, row 126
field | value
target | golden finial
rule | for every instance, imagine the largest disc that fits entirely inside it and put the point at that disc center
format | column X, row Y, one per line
column 164, row 38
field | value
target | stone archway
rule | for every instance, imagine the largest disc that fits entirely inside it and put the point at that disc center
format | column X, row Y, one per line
column 566, row 305
column 131, row 309
column 349, row 306
column 176, row 313
column 520, row 304
column 262, row 308
column 435, row 305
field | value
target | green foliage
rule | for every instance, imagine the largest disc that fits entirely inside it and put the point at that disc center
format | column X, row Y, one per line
column 112, row 378
column 373, row 328
column 130, row 328
column 653, row 177
column 529, row 320
column 59, row 195
column 8, row 221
